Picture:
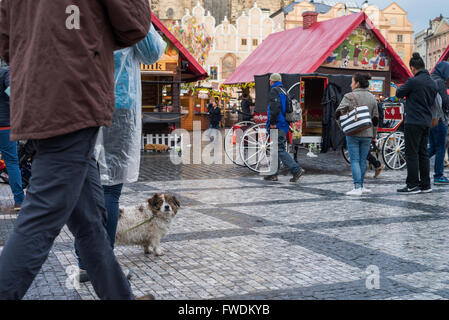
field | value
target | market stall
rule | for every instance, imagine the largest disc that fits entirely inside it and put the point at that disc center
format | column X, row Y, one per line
column 317, row 62
column 164, row 105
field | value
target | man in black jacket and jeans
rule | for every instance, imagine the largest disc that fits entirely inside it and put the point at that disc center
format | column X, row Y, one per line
column 420, row 92
column 438, row 134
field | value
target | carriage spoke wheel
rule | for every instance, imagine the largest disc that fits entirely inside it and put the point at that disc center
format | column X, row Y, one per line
column 255, row 149
column 394, row 151
column 232, row 141
column 345, row 153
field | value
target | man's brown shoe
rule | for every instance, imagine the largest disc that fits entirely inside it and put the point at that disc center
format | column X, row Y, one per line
column 298, row 175
column 271, row 178
column 147, row 297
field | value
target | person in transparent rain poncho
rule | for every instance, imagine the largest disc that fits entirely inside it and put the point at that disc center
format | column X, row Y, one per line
column 118, row 147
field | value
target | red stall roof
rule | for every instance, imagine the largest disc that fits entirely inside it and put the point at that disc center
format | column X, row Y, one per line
column 445, row 56
column 195, row 69
column 305, row 50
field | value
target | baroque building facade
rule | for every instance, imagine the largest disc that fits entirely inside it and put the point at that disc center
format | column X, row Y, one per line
column 232, row 42
column 432, row 42
column 219, row 9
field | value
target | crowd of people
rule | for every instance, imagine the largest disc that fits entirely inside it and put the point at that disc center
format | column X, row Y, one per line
column 87, row 143
column 425, row 127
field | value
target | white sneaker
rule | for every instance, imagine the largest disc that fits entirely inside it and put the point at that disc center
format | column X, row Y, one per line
column 355, row 193
column 366, row 191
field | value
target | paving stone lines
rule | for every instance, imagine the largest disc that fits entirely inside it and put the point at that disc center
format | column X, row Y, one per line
column 238, row 237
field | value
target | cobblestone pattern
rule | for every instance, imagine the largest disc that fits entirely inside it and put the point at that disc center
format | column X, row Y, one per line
column 243, row 238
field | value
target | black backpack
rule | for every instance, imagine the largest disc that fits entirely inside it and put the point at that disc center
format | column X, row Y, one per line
column 293, row 112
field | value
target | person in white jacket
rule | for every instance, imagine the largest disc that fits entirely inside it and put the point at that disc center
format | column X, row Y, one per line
column 118, row 147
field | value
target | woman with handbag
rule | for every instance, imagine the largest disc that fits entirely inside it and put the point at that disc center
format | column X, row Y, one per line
column 358, row 116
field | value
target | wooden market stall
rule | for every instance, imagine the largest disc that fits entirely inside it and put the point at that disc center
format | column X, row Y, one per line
column 333, row 49
column 163, row 103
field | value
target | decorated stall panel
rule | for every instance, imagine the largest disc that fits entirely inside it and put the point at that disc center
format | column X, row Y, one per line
column 361, row 50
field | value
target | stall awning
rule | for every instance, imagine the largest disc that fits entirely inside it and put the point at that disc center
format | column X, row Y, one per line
column 445, row 55
column 195, row 71
column 305, row 50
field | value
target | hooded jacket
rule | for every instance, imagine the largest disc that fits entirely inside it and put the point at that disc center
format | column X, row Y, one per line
column 277, row 108
column 441, row 75
column 118, row 146
column 420, row 92
column 62, row 63
column 4, row 98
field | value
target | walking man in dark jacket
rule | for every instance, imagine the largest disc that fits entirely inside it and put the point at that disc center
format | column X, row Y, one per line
column 438, row 134
column 277, row 110
column 62, row 76
column 8, row 148
column 420, row 92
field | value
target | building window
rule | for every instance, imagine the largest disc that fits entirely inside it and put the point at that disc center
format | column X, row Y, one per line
column 170, row 13
column 255, row 42
column 213, row 73
column 244, row 42
column 400, row 38
column 393, row 21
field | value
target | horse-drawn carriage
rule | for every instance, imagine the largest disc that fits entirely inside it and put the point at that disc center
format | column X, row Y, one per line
column 249, row 144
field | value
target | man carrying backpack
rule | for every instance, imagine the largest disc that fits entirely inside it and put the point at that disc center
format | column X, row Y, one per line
column 438, row 134
column 277, row 110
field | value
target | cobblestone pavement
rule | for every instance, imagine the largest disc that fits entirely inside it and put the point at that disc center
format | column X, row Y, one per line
column 238, row 237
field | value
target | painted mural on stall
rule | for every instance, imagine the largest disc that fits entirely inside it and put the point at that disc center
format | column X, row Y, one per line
column 361, row 50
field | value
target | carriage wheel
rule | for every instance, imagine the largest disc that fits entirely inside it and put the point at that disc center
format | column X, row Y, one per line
column 255, row 149
column 4, row 177
column 345, row 153
column 393, row 152
column 232, row 141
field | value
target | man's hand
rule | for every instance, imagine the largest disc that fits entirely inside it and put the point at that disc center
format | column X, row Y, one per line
column 435, row 122
column 273, row 126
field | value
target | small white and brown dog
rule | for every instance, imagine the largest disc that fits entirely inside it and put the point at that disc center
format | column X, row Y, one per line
column 160, row 210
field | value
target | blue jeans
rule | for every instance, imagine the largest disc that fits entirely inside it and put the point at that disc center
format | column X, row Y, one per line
column 9, row 154
column 358, row 149
column 437, row 148
column 111, row 199
column 284, row 156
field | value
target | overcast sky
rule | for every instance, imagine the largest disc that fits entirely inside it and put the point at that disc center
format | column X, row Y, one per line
column 419, row 11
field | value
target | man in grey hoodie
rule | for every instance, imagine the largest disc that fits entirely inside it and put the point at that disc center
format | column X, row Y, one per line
column 438, row 134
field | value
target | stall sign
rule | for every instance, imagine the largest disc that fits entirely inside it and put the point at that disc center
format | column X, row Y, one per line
column 158, row 66
column 376, row 85
column 203, row 94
